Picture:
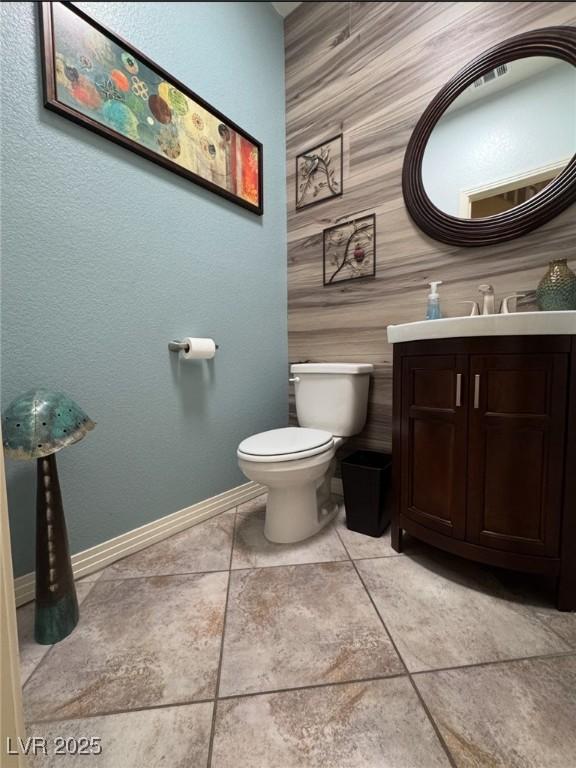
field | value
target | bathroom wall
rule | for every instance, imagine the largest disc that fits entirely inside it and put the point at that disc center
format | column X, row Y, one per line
column 106, row 257
column 369, row 70
column 472, row 146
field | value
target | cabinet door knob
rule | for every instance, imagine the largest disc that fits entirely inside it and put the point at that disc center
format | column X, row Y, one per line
column 458, row 390
column 477, row 391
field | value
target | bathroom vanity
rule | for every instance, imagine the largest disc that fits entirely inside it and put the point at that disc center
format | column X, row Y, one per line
column 484, row 440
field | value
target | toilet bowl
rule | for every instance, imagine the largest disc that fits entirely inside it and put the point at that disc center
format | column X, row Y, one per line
column 296, row 464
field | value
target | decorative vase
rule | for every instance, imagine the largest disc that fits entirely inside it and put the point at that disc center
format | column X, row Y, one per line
column 557, row 289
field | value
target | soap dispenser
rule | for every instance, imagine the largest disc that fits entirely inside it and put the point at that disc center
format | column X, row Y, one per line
column 433, row 311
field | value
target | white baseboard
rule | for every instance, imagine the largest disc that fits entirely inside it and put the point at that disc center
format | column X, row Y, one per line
column 95, row 558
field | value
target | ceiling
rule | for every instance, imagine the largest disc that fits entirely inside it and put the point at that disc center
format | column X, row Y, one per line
column 285, row 8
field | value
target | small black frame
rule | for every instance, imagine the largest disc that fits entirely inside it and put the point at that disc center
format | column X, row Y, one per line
column 339, row 136
column 372, row 218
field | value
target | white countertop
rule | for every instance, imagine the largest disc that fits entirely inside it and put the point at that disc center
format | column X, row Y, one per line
column 514, row 324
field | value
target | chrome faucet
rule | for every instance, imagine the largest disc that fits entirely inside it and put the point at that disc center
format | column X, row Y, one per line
column 488, row 306
column 509, row 303
column 474, row 310
column 507, row 307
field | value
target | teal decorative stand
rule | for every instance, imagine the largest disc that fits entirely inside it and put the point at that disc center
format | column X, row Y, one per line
column 56, row 602
column 36, row 426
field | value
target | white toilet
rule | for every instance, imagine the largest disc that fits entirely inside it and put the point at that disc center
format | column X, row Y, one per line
column 296, row 463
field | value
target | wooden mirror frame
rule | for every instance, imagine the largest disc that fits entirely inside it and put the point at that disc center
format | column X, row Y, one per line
column 557, row 42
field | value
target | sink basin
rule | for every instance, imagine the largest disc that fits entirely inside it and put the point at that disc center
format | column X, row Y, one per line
column 514, row 324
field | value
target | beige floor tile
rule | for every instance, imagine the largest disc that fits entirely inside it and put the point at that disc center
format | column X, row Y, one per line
column 360, row 546
column 140, row 643
column 560, row 622
column 301, row 625
column 532, row 591
column 90, row 577
column 446, row 612
column 253, row 550
column 172, row 736
column 519, row 714
column 204, row 547
column 378, row 724
column 31, row 652
column 251, row 506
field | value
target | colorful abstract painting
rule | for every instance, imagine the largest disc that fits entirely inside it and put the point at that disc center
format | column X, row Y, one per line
column 98, row 80
column 319, row 173
column 350, row 250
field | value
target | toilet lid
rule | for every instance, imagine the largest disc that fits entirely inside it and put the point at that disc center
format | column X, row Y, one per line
column 289, row 440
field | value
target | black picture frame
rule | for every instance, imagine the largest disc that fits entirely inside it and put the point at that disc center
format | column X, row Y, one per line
column 556, row 42
column 52, row 103
column 338, row 136
column 371, row 217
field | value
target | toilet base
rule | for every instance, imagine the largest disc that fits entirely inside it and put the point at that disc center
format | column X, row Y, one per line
column 295, row 514
column 300, row 501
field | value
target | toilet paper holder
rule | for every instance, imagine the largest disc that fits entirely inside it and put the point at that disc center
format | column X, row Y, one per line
column 177, row 346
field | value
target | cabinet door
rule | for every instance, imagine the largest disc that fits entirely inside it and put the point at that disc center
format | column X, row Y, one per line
column 517, row 407
column 433, row 442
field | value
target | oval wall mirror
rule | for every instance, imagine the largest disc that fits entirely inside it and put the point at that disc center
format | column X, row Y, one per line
column 494, row 154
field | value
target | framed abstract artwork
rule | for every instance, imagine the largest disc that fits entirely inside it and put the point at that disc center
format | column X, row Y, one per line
column 319, row 173
column 96, row 79
column 349, row 250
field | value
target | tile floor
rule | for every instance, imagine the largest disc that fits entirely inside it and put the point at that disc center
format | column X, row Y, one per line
column 216, row 648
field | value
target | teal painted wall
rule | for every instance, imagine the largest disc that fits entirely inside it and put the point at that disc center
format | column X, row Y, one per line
column 106, row 257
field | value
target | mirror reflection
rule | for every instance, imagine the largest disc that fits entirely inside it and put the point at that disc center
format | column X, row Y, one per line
column 504, row 139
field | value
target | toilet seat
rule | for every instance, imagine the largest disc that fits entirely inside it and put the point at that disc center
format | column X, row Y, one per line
column 287, row 444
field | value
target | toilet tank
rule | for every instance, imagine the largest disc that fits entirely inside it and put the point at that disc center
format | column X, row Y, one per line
column 332, row 396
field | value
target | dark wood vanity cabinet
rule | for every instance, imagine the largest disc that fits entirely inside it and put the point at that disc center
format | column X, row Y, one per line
column 433, row 439
column 485, row 451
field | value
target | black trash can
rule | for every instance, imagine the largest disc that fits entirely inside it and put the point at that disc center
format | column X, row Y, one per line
column 366, row 477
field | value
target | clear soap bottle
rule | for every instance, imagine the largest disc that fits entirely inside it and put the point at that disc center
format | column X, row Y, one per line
column 433, row 311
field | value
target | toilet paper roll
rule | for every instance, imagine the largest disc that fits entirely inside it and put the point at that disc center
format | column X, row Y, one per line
column 198, row 349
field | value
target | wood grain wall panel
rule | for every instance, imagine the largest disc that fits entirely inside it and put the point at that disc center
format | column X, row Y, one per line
column 369, row 70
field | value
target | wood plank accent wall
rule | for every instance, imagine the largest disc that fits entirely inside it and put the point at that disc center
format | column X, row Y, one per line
column 369, row 69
